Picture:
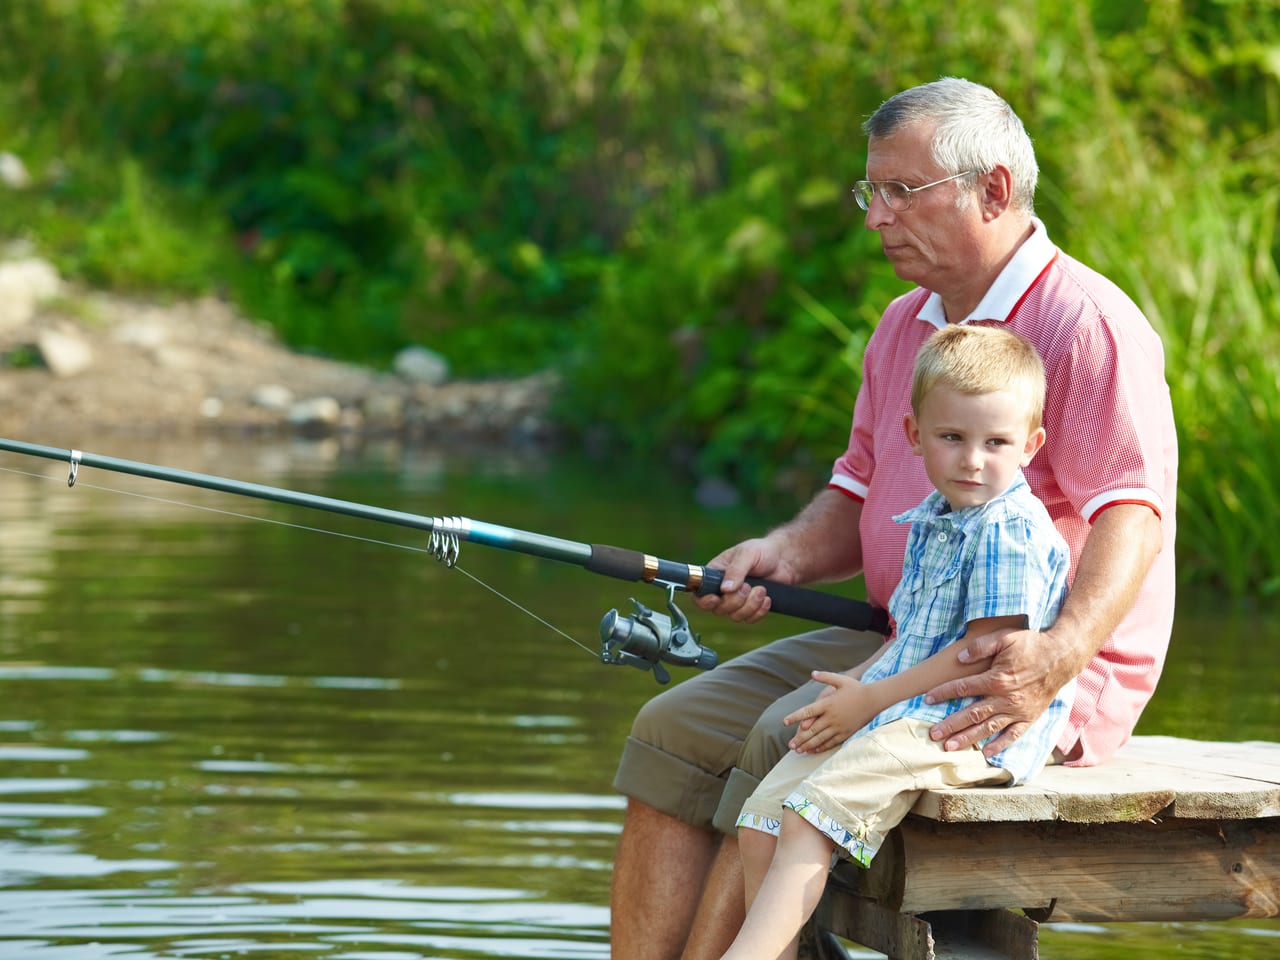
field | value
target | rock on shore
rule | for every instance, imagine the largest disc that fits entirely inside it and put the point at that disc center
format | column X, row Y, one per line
column 75, row 363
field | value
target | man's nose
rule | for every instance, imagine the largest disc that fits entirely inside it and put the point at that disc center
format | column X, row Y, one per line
column 878, row 212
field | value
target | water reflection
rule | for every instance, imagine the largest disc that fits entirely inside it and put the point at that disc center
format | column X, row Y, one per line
column 221, row 737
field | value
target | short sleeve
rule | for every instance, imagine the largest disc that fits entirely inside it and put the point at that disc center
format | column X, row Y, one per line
column 1018, row 569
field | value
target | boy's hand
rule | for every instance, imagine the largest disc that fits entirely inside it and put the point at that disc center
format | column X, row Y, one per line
column 842, row 709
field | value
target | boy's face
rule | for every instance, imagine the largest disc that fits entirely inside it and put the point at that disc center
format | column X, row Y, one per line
column 972, row 445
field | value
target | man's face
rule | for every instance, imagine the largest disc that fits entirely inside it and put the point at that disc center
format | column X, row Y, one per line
column 934, row 243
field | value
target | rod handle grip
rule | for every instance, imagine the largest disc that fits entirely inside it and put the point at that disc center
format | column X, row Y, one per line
column 808, row 604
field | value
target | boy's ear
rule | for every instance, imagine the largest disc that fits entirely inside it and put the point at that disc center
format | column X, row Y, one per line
column 1035, row 440
column 912, row 429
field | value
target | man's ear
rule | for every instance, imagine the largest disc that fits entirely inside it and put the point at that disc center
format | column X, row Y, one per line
column 912, row 429
column 1034, row 442
column 997, row 191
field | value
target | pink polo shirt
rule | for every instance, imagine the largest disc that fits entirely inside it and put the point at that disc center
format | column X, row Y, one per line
column 1110, row 439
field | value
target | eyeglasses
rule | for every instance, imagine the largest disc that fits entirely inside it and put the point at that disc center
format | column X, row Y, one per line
column 895, row 194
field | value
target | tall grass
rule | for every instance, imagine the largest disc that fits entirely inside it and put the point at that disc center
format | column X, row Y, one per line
column 1185, row 225
column 1212, row 287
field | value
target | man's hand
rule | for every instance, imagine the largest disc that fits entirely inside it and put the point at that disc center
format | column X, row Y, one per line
column 820, row 544
column 1028, row 669
column 738, row 600
column 1029, row 666
column 840, row 711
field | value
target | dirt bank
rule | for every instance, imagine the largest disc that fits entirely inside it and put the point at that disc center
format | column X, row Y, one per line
column 76, row 363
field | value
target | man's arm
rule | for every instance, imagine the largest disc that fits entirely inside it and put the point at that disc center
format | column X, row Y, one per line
column 821, row 543
column 1028, row 667
column 847, row 705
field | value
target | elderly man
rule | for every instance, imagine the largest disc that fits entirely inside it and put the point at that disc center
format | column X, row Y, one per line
column 951, row 176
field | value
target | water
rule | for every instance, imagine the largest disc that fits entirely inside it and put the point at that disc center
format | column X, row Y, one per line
column 226, row 736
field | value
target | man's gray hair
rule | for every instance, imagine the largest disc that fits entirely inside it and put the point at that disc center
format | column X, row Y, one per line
column 976, row 130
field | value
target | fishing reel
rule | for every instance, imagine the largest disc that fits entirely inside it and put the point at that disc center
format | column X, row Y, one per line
column 645, row 639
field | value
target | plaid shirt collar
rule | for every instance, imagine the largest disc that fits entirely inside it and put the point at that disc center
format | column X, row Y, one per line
column 935, row 509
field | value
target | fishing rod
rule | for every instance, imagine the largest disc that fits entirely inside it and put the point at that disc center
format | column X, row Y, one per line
column 645, row 639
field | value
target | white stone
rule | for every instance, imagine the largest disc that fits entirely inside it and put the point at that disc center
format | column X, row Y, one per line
column 318, row 411
column 420, row 365
column 24, row 285
column 272, row 396
column 65, row 354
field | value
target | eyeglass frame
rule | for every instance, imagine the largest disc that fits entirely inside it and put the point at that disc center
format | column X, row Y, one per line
column 873, row 187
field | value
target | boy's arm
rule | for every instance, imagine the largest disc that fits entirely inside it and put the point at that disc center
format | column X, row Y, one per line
column 847, row 704
column 943, row 666
column 828, row 691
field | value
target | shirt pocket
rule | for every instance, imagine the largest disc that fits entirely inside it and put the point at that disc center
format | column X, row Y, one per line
column 938, row 571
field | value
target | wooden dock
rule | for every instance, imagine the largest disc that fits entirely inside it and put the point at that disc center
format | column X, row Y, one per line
column 1169, row 829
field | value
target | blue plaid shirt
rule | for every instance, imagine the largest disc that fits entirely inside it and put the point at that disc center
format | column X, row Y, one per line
column 1000, row 558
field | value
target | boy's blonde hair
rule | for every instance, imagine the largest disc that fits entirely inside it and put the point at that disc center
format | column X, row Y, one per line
column 980, row 359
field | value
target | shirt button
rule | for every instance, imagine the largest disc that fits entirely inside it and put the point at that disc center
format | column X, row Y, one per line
column 942, row 538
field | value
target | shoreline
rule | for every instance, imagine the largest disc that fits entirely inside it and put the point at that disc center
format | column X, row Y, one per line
column 76, row 364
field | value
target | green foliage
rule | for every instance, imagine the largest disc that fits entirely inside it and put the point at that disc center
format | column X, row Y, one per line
column 652, row 197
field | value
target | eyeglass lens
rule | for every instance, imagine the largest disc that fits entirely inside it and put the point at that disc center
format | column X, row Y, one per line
column 896, row 196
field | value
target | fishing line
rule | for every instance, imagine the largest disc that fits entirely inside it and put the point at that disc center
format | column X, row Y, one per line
column 302, row 526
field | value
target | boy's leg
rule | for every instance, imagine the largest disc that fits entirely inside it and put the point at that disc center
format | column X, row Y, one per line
column 789, row 894
column 723, row 906
column 724, row 903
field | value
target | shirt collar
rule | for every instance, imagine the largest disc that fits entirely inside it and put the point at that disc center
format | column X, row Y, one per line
column 1003, row 296
column 934, row 507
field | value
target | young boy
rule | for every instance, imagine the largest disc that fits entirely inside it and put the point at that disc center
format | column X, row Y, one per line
column 982, row 555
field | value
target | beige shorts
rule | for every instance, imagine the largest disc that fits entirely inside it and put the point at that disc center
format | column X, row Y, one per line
column 860, row 791
column 698, row 749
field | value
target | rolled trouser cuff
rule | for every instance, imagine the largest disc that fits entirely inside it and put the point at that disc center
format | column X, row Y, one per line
column 737, row 789
column 668, row 784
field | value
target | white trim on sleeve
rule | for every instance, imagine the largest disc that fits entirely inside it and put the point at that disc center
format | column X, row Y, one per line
column 1124, row 495
column 849, row 485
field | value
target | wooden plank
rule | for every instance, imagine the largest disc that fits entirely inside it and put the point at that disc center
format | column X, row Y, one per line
column 1076, row 795
column 1250, row 758
column 1150, row 776
column 1254, row 760
column 1175, row 870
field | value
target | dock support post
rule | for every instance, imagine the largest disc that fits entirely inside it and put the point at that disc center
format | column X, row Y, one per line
column 950, row 934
